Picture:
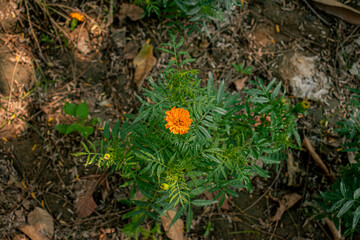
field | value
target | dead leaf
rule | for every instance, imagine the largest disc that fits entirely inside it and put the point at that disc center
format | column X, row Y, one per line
column 85, row 206
column 118, row 36
column 143, row 63
column 340, row 10
column 84, row 203
column 40, row 225
column 287, row 201
column 138, row 196
column 132, row 11
column 19, row 237
column 293, row 170
column 32, row 233
column 130, row 50
column 224, row 206
column 258, row 120
column 176, row 232
column 239, row 84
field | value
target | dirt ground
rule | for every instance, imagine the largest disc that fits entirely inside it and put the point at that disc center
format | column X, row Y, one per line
column 43, row 65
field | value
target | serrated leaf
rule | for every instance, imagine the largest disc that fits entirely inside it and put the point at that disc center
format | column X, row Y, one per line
column 356, row 218
column 115, row 129
column 259, row 100
column 189, row 219
column 336, row 205
column 166, row 50
column 343, row 188
column 220, row 110
column 85, row 147
column 193, row 11
column 357, row 194
column 187, row 61
column 220, row 93
column 180, row 43
column 107, row 131
column 276, row 91
column 261, row 172
column 269, row 160
column 203, row 202
column 205, row 132
column 345, row 208
column 271, row 84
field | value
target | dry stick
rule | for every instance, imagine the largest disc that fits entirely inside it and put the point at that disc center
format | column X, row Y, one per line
column 313, row 10
column 33, row 33
column 334, row 231
column 306, row 142
column 12, row 78
column 272, row 184
column 46, row 12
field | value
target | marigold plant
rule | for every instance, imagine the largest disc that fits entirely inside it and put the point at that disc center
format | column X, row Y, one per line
column 77, row 16
column 209, row 141
column 178, row 120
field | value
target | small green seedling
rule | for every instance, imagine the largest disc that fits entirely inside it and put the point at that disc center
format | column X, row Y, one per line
column 81, row 112
column 242, row 69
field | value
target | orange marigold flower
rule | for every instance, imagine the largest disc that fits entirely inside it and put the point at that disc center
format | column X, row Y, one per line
column 77, row 16
column 178, row 120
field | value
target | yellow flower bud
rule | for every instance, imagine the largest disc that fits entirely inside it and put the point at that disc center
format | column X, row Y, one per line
column 107, row 156
column 164, row 186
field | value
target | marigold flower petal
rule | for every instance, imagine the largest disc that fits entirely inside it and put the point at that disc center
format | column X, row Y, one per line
column 77, row 16
column 178, row 120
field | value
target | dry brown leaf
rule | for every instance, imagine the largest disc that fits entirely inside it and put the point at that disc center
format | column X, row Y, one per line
column 143, row 63
column 32, row 233
column 224, row 206
column 85, row 206
column 293, row 170
column 176, row 232
column 287, row 201
column 130, row 50
column 19, row 237
column 42, row 221
column 340, row 10
column 138, row 196
column 84, row 203
column 129, row 10
column 40, row 225
column 258, row 120
column 239, row 84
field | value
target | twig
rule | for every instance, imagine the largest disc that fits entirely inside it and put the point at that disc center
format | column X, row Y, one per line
column 334, row 231
column 272, row 184
column 12, row 77
column 33, row 33
column 306, row 142
column 313, row 10
column 111, row 15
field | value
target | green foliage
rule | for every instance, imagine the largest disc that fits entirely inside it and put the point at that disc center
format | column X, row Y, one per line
column 242, row 69
column 198, row 12
column 73, row 24
column 218, row 153
column 342, row 203
column 81, row 112
column 351, row 127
